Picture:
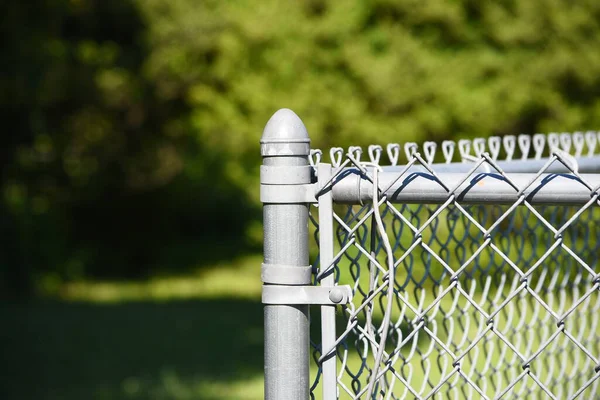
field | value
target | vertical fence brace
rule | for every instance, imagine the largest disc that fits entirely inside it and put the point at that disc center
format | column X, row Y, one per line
column 326, row 248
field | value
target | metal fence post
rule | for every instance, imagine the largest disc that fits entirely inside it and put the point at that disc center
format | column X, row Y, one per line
column 285, row 147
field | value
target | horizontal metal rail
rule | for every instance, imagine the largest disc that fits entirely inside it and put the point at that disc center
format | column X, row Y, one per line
column 480, row 188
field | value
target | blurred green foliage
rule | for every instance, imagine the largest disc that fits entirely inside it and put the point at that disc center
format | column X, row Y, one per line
column 132, row 127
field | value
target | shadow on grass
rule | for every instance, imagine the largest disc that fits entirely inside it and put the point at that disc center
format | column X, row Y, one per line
column 143, row 350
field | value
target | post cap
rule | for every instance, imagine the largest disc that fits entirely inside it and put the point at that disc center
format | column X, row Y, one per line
column 285, row 135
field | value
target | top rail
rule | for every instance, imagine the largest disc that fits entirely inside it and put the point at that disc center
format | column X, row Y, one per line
column 416, row 187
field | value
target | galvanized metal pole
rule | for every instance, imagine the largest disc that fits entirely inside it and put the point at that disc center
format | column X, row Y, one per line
column 285, row 147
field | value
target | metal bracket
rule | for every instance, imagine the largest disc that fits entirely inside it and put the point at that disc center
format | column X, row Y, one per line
column 296, row 295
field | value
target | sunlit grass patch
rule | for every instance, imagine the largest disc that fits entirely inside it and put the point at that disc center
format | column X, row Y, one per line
column 237, row 279
column 172, row 385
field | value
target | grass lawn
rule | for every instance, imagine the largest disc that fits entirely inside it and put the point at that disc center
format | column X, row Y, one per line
column 197, row 337
column 201, row 337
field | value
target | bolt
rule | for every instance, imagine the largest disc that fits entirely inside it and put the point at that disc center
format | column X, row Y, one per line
column 336, row 295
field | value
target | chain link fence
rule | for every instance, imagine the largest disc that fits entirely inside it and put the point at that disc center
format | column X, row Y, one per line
column 471, row 272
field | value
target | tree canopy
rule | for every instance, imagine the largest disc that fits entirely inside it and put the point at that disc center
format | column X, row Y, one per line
column 132, row 127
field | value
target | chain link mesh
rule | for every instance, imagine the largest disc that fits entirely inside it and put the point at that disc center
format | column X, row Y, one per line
column 458, row 301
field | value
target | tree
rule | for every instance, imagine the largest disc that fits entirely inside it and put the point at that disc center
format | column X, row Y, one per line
column 135, row 124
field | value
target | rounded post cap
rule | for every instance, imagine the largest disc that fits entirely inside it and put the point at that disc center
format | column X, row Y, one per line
column 285, row 135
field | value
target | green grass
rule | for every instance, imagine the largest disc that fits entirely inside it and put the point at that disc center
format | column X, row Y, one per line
column 196, row 337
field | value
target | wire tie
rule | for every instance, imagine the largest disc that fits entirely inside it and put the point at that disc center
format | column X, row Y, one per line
column 558, row 236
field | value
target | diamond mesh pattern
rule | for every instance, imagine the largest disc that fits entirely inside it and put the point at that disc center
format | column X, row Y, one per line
column 485, row 301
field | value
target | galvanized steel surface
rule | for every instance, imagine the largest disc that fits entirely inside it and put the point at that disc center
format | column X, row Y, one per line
column 483, row 282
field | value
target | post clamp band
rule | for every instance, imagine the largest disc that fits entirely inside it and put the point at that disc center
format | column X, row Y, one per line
column 304, row 295
column 285, row 175
column 288, row 194
column 277, row 274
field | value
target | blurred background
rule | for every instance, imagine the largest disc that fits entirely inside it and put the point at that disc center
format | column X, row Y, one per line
column 130, row 223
